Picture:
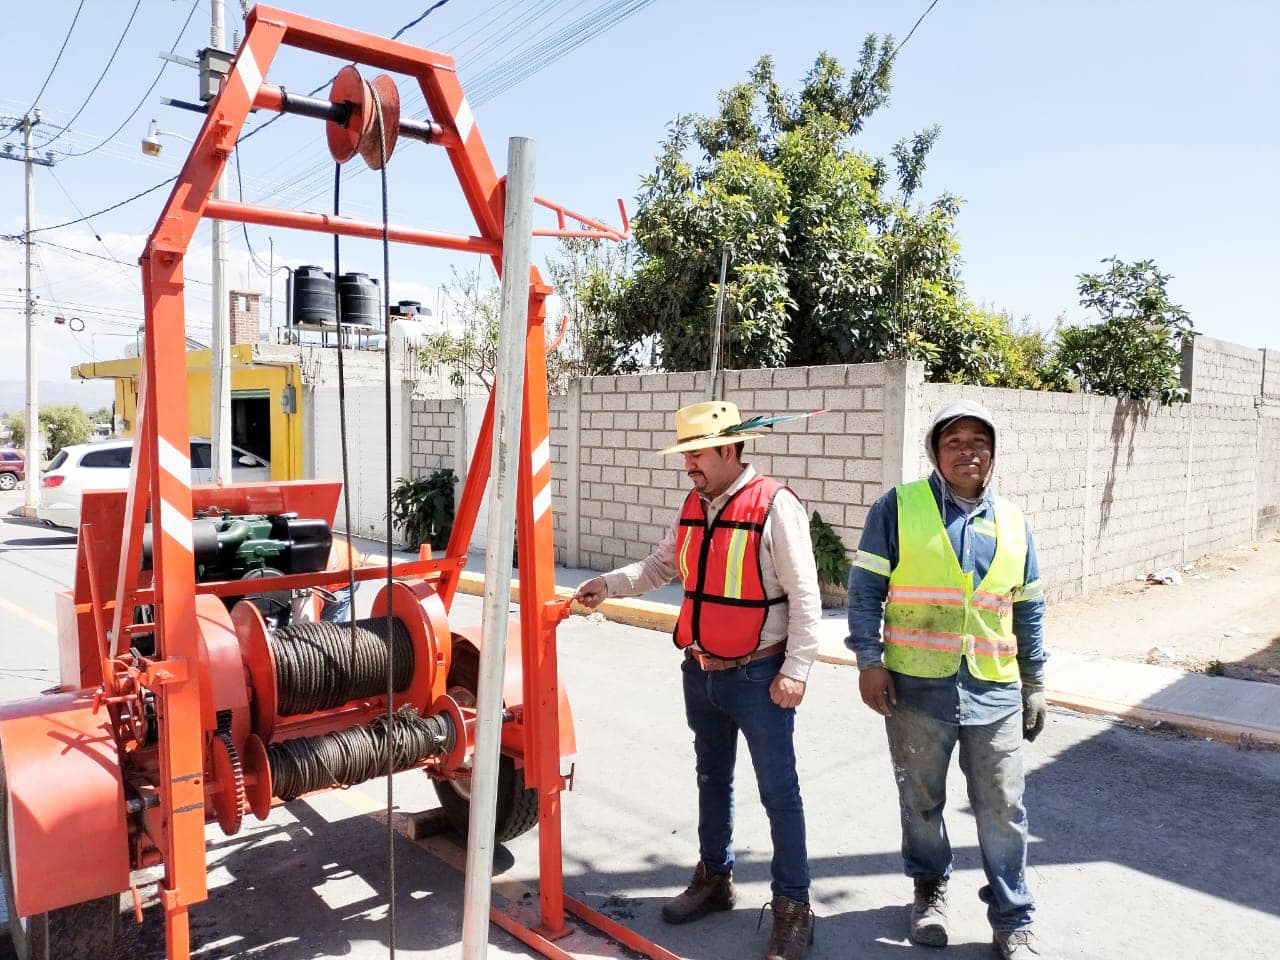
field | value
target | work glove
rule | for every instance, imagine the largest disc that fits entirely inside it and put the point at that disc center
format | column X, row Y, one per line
column 1033, row 710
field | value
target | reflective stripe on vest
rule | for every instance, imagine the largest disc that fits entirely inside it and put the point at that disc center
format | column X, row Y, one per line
column 725, row 605
column 934, row 614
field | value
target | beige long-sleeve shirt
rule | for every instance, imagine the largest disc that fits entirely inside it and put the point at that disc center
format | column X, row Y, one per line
column 786, row 562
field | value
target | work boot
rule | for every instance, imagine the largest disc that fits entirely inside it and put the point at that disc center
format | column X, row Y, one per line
column 706, row 892
column 792, row 930
column 1016, row 944
column 929, row 912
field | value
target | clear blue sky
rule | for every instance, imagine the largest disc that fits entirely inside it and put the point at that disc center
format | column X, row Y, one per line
column 1072, row 131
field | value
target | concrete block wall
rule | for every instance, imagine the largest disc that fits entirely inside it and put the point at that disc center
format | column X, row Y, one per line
column 1137, row 514
column 628, row 493
column 1113, row 489
column 1218, row 372
column 1268, row 485
column 1271, row 374
column 431, row 436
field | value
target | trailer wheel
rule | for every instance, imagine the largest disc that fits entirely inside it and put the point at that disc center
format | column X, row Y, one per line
column 82, row 931
column 517, row 809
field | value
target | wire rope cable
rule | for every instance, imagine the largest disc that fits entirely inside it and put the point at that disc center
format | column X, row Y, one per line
column 58, row 59
column 317, row 669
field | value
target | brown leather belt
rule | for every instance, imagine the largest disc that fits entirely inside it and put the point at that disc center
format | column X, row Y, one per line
column 709, row 664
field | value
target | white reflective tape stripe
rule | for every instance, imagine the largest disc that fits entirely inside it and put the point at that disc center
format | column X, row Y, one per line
column 249, row 73
column 1029, row 591
column 541, row 456
column 175, row 525
column 541, row 503
column 869, row 561
column 464, row 120
column 174, row 462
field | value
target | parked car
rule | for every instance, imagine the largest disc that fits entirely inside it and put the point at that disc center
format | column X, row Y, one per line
column 13, row 467
column 105, row 466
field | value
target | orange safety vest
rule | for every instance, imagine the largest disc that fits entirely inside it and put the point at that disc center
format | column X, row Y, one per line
column 342, row 556
column 725, row 605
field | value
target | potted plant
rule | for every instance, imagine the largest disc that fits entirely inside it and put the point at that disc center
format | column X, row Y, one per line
column 422, row 507
column 833, row 564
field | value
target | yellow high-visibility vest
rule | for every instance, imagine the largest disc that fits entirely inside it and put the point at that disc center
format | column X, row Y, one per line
column 934, row 615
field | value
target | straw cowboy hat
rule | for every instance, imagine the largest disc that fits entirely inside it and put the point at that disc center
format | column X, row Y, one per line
column 713, row 423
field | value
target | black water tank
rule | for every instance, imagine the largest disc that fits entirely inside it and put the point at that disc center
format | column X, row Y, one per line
column 312, row 296
column 361, row 300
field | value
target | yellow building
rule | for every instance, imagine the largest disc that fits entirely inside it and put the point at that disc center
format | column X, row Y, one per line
column 265, row 411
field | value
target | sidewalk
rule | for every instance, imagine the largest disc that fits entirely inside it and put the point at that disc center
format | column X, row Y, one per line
column 1220, row 708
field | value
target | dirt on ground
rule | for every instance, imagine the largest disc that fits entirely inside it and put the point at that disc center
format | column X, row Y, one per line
column 1223, row 618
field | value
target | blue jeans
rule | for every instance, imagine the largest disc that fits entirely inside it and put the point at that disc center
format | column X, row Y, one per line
column 717, row 705
column 991, row 759
column 339, row 611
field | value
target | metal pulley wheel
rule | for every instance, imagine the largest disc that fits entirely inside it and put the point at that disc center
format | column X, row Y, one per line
column 374, row 107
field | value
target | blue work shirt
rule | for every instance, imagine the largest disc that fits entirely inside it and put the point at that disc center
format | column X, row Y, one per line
column 961, row 698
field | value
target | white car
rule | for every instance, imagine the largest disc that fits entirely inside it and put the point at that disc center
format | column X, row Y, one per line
column 105, row 466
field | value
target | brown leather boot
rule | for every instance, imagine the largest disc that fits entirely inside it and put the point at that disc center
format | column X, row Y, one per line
column 706, row 892
column 792, row 930
column 929, row 912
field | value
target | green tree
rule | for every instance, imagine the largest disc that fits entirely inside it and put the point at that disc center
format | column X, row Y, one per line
column 62, row 424
column 469, row 354
column 835, row 260
column 1135, row 350
column 581, row 272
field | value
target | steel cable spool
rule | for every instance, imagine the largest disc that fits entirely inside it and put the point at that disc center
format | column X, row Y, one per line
column 358, row 754
column 319, row 667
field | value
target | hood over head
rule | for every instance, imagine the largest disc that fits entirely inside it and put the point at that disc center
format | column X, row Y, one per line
column 949, row 414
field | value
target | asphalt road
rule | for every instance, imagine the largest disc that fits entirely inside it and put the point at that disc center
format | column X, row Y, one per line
column 1142, row 845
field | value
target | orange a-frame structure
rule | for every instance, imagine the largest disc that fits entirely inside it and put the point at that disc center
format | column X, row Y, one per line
column 127, row 763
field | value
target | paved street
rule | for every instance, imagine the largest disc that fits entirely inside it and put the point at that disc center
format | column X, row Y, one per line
column 1143, row 846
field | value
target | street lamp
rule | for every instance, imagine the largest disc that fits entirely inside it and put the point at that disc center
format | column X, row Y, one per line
column 219, row 348
column 151, row 145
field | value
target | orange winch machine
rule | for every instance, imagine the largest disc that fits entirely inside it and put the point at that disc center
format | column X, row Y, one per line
column 178, row 709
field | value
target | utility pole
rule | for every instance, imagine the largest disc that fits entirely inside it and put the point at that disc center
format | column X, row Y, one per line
column 220, row 345
column 34, row 454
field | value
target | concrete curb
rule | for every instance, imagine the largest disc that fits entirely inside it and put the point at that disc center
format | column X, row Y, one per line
column 662, row 617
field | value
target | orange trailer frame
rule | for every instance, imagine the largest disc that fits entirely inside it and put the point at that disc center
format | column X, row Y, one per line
column 160, row 487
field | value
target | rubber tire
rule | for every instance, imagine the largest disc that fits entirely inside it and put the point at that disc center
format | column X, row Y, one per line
column 82, row 931
column 517, row 808
column 8, row 481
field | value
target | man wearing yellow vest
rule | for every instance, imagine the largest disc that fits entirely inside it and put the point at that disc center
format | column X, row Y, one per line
column 748, row 630
column 951, row 572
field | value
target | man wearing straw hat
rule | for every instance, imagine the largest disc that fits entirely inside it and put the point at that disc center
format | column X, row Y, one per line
column 748, row 630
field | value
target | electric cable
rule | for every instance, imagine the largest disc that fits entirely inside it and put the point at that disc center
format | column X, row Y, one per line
column 97, row 83
column 57, row 59
column 133, row 113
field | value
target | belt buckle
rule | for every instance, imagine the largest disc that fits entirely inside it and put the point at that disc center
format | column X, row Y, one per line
column 703, row 661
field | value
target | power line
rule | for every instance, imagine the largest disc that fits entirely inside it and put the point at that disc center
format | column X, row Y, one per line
column 413, row 23
column 173, row 46
column 58, row 58
column 114, row 206
column 110, row 60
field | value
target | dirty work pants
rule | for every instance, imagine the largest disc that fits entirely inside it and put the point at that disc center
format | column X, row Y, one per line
column 991, row 760
column 718, row 704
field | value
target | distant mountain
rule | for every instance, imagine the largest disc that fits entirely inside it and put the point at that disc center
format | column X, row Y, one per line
column 89, row 394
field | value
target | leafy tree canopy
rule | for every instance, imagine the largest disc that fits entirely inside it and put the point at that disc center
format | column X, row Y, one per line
column 1135, row 349
column 62, row 423
column 834, row 258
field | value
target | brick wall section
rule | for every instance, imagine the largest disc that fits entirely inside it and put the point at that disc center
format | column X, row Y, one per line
column 630, row 493
column 431, row 436
column 1221, row 372
column 1269, row 468
column 1113, row 489
column 245, row 316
